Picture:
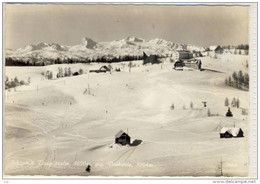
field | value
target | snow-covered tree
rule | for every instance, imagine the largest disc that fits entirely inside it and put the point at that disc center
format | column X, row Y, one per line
column 229, row 81
column 240, row 77
column 80, row 71
column 61, row 72
column 16, row 80
column 209, row 113
column 69, row 72
column 226, row 81
column 191, row 105
column 28, row 80
column 226, row 102
column 172, row 106
column 47, row 74
column 6, row 79
column 66, row 72
column 238, row 103
column 246, row 80
column 234, row 75
column 130, row 65
column 234, row 102
column 50, row 75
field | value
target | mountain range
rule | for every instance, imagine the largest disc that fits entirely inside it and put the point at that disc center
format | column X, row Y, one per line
column 91, row 49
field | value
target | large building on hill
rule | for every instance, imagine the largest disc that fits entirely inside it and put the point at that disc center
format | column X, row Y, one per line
column 188, row 64
column 178, row 55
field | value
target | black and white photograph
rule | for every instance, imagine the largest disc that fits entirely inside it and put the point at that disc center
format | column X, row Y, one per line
column 127, row 90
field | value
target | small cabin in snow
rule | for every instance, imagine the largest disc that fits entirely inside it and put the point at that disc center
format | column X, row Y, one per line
column 75, row 73
column 228, row 132
column 229, row 113
column 103, row 69
column 217, row 49
column 122, row 138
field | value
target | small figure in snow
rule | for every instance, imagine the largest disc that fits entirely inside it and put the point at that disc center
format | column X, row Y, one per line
column 88, row 168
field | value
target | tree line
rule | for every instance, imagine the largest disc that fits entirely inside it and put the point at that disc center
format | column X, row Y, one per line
column 241, row 47
column 238, row 80
column 19, row 62
column 234, row 103
column 66, row 72
column 12, row 83
column 33, row 62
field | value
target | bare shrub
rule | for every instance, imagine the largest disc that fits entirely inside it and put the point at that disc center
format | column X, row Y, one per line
column 172, row 107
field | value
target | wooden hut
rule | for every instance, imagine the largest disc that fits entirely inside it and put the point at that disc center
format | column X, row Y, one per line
column 103, row 69
column 229, row 132
column 229, row 113
column 75, row 73
column 122, row 138
column 219, row 50
column 216, row 49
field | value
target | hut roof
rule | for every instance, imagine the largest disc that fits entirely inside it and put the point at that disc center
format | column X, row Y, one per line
column 213, row 47
column 195, row 61
column 183, row 51
column 121, row 132
column 232, row 130
column 104, row 67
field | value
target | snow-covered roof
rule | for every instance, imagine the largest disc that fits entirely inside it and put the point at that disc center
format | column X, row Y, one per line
column 232, row 130
column 119, row 133
column 224, row 129
column 213, row 47
column 191, row 61
column 104, row 67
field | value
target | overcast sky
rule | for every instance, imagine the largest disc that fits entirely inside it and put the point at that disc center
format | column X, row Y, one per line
column 68, row 24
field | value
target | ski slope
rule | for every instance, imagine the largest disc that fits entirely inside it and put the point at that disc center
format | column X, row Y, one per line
column 53, row 128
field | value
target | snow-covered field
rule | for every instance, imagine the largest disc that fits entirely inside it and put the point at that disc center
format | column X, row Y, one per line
column 53, row 128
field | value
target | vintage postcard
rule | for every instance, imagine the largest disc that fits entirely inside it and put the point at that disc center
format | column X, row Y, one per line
column 160, row 90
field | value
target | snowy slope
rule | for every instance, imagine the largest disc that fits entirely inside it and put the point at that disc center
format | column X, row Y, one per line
column 53, row 128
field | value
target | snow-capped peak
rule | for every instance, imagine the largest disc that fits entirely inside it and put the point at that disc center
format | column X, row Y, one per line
column 56, row 46
column 135, row 39
column 88, row 43
column 41, row 45
column 159, row 41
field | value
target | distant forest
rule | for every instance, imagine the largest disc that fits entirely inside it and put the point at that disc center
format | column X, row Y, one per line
column 241, row 47
column 34, row 62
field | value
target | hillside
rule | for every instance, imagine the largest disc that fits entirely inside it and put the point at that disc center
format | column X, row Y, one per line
column 52, row 127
